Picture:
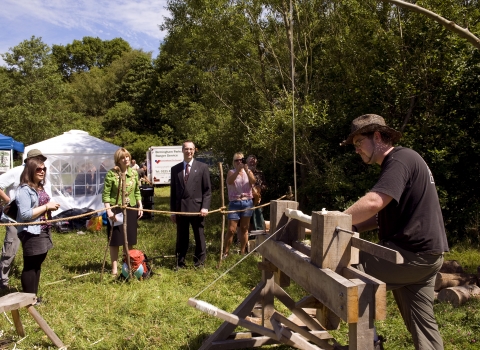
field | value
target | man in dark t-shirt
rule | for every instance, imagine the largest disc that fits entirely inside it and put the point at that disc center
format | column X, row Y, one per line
column 404, row 206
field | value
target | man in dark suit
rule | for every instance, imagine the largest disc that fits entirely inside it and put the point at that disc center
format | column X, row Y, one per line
column 190, row 191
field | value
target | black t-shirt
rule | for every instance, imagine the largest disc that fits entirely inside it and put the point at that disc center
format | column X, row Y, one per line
column 413, row 219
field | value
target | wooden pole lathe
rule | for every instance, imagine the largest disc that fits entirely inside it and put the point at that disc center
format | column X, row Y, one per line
column 337, row 290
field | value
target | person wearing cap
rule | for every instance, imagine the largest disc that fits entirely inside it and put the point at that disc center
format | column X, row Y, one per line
column 9, row 181
column 403, row 205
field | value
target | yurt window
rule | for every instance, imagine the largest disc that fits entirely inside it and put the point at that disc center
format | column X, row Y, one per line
column 60, row 172
column 85, row 178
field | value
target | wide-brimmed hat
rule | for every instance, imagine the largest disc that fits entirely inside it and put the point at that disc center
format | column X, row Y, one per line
column 35, row 153
column 370, row 123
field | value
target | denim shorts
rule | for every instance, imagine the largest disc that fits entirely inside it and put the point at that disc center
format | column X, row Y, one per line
column 239, row 205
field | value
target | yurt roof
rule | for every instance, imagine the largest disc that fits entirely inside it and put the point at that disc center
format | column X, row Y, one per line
column 76, row 142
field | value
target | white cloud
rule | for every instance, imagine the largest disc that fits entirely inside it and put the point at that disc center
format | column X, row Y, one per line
column 141, row 16
column 62, row 21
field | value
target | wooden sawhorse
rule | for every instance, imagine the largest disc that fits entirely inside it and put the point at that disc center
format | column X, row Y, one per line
column 14, row 301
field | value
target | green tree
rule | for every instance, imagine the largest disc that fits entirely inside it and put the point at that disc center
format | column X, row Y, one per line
column 83, row 55
column 33, row 106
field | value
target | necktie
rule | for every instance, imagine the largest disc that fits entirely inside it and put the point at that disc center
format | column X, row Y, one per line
column 187, row 172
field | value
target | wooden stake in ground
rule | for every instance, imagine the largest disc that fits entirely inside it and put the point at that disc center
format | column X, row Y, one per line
column 222, row 192
column 125, row 238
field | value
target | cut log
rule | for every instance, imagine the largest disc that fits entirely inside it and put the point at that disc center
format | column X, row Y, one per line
column 451, row 266
column 459, row 295
column 445, row 280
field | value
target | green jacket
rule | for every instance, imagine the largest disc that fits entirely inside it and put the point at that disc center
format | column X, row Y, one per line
column 110, row 188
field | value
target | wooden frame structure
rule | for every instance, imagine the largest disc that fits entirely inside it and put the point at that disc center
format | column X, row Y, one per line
column 337, row 291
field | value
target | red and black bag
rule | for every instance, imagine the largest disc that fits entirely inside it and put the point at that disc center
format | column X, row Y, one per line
column 137, row 258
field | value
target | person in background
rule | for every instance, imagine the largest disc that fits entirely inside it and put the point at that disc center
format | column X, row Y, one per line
column 112, row 195
column 257, row 221
column 404, row 206
column 34, row 205
column 134, row 165
column 9, row 182
column 190, row 191
column 239, row 185
column 142, row 174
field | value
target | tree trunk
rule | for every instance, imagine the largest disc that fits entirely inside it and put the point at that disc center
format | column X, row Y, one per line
column 445, row 280
column 459, row 295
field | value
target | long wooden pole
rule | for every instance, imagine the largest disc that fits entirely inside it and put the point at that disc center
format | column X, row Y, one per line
column 222, row 192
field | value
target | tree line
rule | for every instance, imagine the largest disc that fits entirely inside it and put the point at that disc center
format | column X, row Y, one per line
column 223, row 78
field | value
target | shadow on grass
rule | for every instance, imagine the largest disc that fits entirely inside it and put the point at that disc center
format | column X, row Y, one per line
column 195, row 343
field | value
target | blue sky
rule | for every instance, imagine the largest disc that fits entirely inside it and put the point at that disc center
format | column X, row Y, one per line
column 61, row 21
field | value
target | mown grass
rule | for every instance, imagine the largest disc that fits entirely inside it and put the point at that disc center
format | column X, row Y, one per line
column 87, row 313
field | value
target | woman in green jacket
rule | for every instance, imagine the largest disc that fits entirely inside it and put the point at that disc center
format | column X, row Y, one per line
column 111, row 197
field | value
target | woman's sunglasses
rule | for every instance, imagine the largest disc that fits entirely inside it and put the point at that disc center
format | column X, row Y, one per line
column 39, row 170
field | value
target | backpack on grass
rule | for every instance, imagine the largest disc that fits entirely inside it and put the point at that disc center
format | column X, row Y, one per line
column 139, row 262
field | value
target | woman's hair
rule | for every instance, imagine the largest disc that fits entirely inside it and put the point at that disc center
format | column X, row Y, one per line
column 119, row 154
column 28, row 174
column 238, row 154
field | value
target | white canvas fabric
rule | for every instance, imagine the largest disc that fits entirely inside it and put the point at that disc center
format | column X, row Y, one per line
column 77, row 164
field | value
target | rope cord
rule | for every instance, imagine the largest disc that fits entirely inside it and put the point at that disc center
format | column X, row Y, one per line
column 231, row 268
column 53, row 220
column 219, row 210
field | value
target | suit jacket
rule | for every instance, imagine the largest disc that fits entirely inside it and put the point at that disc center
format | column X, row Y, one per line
column 193, row 195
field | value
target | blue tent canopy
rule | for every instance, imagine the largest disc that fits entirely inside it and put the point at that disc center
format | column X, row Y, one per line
column 7, row 142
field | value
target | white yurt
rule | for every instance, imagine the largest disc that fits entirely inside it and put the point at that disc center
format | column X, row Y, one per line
column 76, row 167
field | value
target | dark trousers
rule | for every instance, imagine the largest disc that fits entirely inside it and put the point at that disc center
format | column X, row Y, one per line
column 32, row 266
column 412, row 284
column 183, row 233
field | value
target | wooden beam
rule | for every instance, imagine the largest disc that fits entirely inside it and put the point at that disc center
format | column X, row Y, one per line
column 360, row 334
column 379, row 290
column 243, row 310
column 267, row 297
column 18, row 323
column 379, row 251
column 243, row 343
column 302, row 247
column 308, row 302
column 17, row 300
column 299, row 341
column 355, row 253
column 266, row 266
column 333, row 290
column 278, row 217
column 330, row 249
column 308, row 321
column 45, row 327
column 303, row 332
column 327, row 318
column 235, row 320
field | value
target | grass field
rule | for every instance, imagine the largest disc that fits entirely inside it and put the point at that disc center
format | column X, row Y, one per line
column 87, row 313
